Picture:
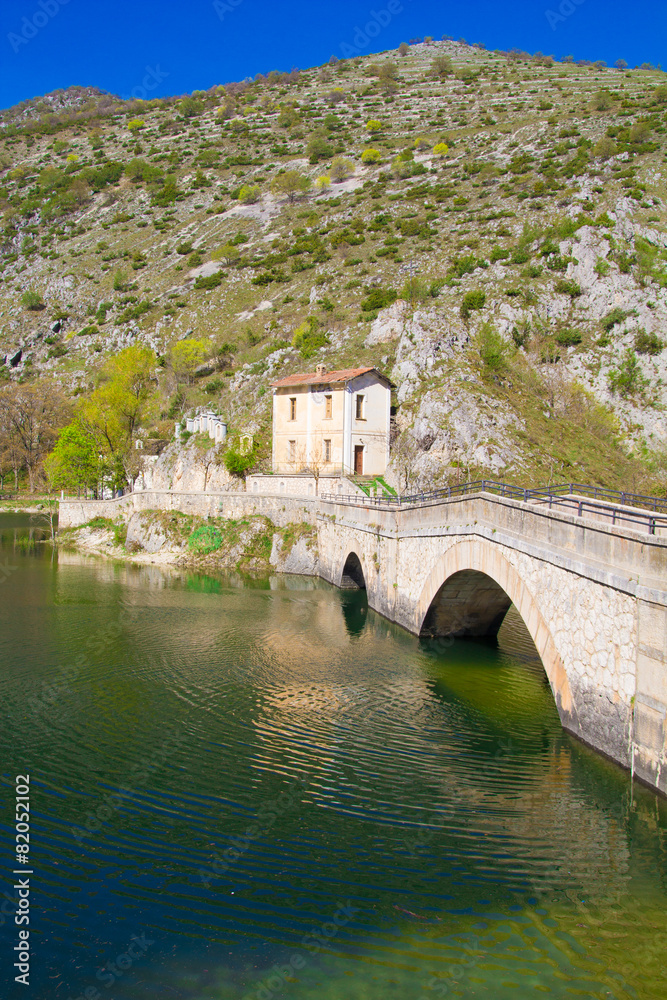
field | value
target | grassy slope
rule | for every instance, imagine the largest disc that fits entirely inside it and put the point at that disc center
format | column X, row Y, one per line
column 481, row 196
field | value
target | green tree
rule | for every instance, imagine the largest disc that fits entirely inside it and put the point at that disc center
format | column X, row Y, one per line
column 291, row 184
column 113, row 412
column 229, row 253
column 120, row 281
column 442, row 66
column 318, row 149
column 308, row 338
column 249, row 194
column 186, row 357
column 341, row 168
column 603, row 101
column 492, row 348
column 205, row 539
column 74, row 462
column 371, row 156
column 414, row 290
column 605, row 148
column 238, row 461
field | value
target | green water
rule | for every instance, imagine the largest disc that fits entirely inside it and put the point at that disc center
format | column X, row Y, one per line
column 287, row 796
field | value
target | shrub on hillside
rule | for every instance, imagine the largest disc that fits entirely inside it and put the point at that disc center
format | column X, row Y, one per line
column 290, row 184
column 472, row 301
column 205, row 539
column 238, row 462
column 492, row 348
column 567, row 287
column 318, row 149
column 209, row 281
column 32, row 300
column 187, row 355
column 378, row 298
column 249, row 194
column 308, row 338
column 341, row 169
column 442, row 66
column 568, row 338
column 648, row 343
column 463, row 265
column 627, row 379
column 414, row 290
column 166, row 195
column 613, row 318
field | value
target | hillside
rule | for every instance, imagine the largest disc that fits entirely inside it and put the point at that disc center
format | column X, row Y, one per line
column 487, row 228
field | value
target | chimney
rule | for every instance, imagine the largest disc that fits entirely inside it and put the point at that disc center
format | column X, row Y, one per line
column 320, row 370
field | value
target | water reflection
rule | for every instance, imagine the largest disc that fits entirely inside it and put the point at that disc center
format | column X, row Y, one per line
column 354, row 604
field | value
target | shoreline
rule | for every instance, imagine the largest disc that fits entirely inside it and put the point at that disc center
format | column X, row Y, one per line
column 253, row 546
column 21, row 509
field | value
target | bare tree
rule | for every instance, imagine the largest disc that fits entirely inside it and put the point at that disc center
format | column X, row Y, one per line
column 48, row 516
column 34, row 414
column 317, row 461
column 404, row 454
column 297, row 459
column 11, row 456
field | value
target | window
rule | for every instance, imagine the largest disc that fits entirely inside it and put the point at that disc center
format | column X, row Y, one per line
column 360, row 406
column 292, row 451
column 327, row 450
column 328, row 407
column 292, row 408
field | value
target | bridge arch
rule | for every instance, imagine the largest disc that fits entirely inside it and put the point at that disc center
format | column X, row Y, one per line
column 353, row 576
column 477, row 585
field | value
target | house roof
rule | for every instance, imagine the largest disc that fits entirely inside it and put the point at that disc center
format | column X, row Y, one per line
column 344, row 375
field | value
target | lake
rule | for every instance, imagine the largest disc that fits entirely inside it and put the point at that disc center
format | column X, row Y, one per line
column 265, row 790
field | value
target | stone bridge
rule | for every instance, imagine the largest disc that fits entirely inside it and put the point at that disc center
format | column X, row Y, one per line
column 593, row 596
column 591, row 591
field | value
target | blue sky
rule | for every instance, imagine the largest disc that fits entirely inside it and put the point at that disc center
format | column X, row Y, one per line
column 155, row 48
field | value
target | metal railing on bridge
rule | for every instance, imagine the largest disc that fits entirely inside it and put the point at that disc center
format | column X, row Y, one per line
column 609, row 505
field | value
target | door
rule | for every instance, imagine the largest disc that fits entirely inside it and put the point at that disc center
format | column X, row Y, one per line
column 358, row 459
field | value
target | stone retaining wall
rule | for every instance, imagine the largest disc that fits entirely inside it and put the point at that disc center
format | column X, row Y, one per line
column 281, row 510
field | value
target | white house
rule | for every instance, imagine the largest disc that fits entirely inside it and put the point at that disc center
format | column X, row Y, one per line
column 332, row 422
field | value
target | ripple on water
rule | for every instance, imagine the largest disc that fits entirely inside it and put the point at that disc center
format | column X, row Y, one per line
column 222, row 768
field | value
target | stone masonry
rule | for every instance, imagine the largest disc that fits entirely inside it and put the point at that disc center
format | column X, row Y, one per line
column 593, row 597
